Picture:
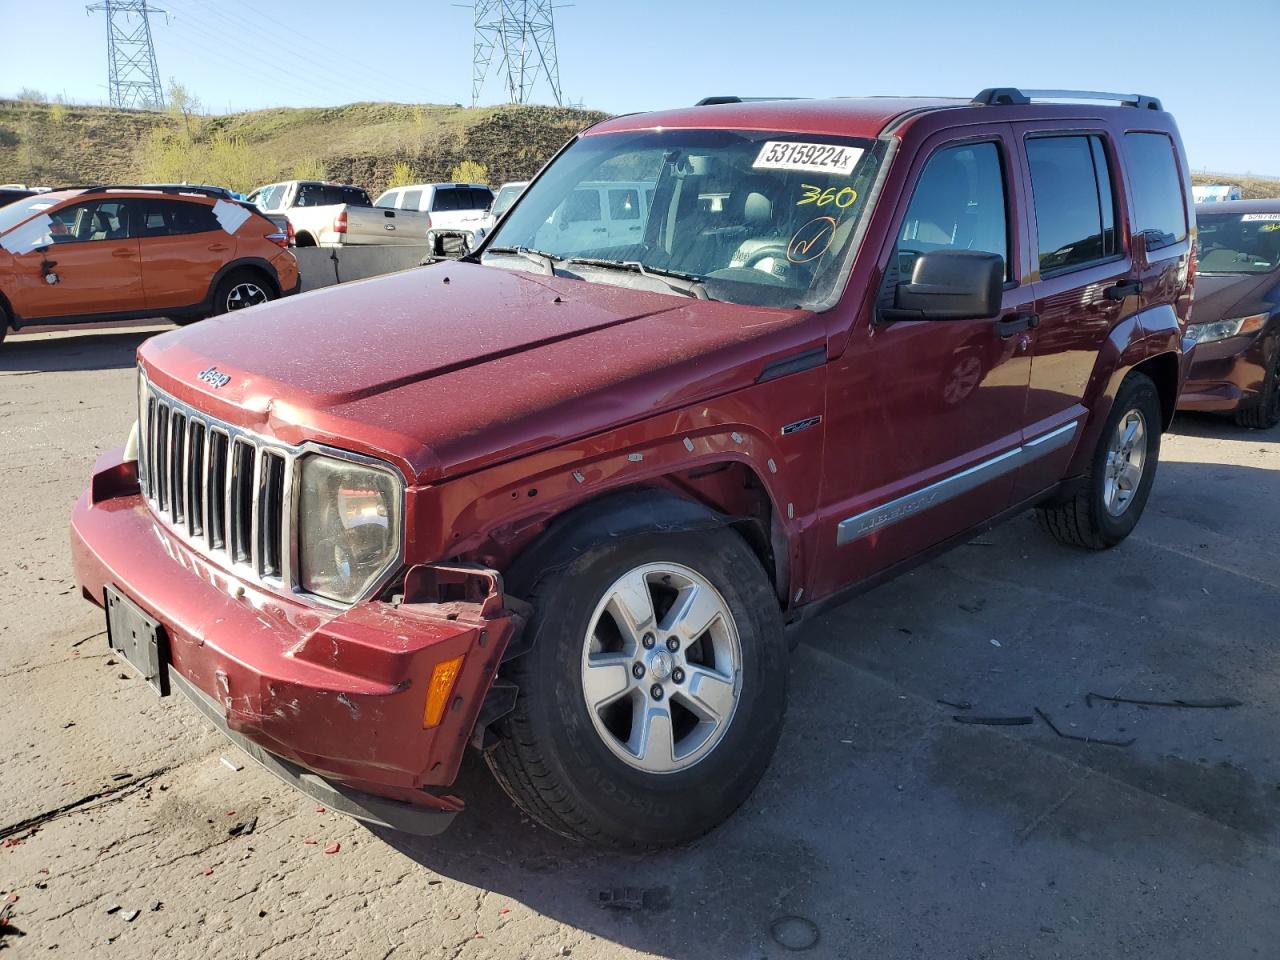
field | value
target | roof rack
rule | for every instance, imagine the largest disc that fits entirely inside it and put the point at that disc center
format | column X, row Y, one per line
column 221, row 193
column 1006, row 96
column 712, row 101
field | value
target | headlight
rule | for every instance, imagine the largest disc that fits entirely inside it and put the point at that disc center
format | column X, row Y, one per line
column 1223, row 329
column 348, row 526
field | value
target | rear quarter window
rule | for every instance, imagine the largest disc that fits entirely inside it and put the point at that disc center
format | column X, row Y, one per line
column 1157, row 189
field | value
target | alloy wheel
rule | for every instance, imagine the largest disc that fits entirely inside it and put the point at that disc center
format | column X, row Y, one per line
column 661, row 668
column 1126, row 458
column 244, row 295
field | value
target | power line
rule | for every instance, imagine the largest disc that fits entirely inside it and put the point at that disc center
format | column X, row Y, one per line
column 132, row 75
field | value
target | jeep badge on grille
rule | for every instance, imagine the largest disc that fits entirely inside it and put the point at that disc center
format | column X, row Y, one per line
column 213, row 377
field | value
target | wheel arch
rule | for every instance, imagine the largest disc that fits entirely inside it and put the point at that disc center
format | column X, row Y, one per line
column 254, row 264
column 1163, row 370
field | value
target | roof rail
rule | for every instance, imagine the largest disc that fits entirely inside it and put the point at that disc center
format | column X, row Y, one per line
column 221, row 193
column 1005, row 96
column 712, row 101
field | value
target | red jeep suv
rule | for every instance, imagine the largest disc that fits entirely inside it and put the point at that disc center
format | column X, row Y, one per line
column 561, row 500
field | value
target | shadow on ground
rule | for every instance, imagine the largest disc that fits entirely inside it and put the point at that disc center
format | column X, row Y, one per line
column 109, row 349
column 898, row 832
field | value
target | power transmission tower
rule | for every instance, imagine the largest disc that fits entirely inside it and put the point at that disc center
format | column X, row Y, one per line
column 132, row 74
column 522, row 35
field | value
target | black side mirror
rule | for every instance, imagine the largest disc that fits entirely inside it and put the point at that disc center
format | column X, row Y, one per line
column 950, row 285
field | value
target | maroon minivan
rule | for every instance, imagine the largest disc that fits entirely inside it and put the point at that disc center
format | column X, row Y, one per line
column 716, row 369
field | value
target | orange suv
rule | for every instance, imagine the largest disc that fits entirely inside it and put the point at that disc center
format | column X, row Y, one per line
column 108, row 253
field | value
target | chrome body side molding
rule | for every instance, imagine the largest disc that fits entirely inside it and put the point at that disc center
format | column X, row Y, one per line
column 948, row 488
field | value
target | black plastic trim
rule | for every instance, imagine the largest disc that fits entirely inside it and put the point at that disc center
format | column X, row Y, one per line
column 796, row 363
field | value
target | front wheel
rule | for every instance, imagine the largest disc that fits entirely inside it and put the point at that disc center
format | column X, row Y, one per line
column 653, row 695
column 1111, row 500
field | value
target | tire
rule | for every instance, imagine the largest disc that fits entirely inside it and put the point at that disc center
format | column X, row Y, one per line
column 4, row 322
column 1265, row 414
column 242, row 289
column 574, row 774
column 1101, row 514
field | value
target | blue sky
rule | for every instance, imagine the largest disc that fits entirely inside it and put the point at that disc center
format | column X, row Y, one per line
column 658, row 53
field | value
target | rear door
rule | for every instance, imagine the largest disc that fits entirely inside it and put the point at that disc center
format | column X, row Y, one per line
column 182, row 246
column 1085, row 282
column 626, row 214
column 925, row 416
column 1160, row 225
column 81, row 261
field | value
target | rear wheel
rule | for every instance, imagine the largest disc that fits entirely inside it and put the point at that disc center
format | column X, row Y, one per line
column 1107, row 507
column 652, row 698
column 1265, row 414
column 241, row 290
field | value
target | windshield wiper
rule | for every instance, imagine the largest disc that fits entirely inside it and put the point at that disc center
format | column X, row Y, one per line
column 546, row 261
column 684, row 283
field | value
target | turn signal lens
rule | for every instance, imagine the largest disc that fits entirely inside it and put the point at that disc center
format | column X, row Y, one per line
column 439, row 690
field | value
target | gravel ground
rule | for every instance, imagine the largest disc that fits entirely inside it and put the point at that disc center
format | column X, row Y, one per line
column 883, row 829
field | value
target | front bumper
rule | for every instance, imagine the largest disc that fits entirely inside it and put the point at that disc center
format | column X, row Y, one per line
column 332, row 700
column 1226, row 375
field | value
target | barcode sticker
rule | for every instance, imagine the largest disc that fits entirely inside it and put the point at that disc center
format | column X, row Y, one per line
column 813, row 157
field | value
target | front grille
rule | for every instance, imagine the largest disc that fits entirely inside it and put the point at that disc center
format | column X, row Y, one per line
column 228, row 492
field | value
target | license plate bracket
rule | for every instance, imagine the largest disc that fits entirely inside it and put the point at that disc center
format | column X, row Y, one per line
column 137, row 638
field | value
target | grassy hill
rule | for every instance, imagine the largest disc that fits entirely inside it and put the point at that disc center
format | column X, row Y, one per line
column 1251, row 188
column 359, row 143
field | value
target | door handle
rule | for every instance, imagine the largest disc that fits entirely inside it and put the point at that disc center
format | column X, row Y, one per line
column 122, row 254
column 218, row 247
column 1016, row 323
column 599, row 229
column 1125, row 288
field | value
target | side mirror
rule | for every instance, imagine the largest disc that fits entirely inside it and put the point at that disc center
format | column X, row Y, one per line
column 950, row 285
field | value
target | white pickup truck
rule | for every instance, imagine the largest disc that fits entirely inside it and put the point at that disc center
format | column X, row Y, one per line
column 333, row 214
column 457, row 213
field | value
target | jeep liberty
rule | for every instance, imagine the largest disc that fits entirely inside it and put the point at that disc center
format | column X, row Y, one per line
column 560, row 500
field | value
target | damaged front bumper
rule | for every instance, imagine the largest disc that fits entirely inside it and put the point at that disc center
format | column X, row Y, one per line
column 333, row 701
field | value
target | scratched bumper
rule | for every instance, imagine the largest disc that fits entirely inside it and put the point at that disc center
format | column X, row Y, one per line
column 1225, row 376
column 339, row 694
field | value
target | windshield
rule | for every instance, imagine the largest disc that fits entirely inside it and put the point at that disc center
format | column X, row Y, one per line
column 1238, row 242
column 14, row 213
column 758, row 218
column 506, row 197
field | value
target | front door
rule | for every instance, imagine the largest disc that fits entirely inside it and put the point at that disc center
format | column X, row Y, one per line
column 926, row 416
column 83, row 261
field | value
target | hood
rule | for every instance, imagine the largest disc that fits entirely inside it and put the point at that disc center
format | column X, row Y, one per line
column 445, row 369
column 1220, row 296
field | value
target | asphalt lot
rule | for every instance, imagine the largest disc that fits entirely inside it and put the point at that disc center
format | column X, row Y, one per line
column 887, row 828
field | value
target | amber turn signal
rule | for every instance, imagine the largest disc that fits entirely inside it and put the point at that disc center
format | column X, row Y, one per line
column 439, row 689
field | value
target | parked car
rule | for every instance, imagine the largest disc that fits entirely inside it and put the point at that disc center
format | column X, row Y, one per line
column 1236, row 365
column 456, row 212
column 10, row 194
column 126, row 252
column 507, row 194
column 334, row 214
column 561, row 502
column 1215, row 192
column 602, row 214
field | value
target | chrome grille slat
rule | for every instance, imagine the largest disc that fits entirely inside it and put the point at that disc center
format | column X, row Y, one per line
column 190, row 476
column 206, row 480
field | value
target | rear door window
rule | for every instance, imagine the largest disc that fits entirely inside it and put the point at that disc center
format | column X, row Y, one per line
column 412, row 200
column 959, row 203
column 171, row 218
column 1074, row 203
column 624, row 205
column 1157, row 189
column 582, row 206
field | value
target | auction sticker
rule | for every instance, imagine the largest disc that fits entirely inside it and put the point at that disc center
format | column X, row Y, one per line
column 812, row 157
column 1260, row 218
